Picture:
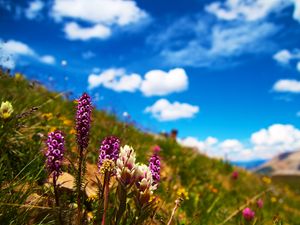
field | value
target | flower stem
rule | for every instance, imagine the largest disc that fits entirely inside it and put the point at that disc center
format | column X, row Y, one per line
column 177, row 202
column 106, row 195
column 79, row 178
column 57, row 200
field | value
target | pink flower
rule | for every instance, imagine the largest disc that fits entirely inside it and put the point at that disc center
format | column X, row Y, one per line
column 156, row 148
column 248, row 214
column 235, row 175
column 260, row 203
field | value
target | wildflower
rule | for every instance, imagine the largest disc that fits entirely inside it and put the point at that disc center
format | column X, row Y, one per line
column 267, row 180
column 183, row 193
column 144, row 183
column 19, row 76
column 156, row 148
column 55, row 153
column 126, row 165
column 83, row 120
column 47, row 116
column 248, row 214
column 109, row 150
column 154, row 165
column 235, row 175
column 273, row 199
column 260, row 203
column 6, row 110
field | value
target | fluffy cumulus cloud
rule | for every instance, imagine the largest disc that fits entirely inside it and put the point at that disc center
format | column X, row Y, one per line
column 115, row 79
column 286, row 85
column 158, row 82
column 154, row 83
column 76, row 32
column 262, row 144
column 12, row 50
column 163, row 110
column 101, row 14
column 286, row 57
column 247, row 10
column 276, row 139
column 34, row 9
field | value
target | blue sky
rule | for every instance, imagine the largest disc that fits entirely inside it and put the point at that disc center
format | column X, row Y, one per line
column 226, row 74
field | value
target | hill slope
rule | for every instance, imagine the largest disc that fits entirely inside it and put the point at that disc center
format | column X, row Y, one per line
column 212, row 196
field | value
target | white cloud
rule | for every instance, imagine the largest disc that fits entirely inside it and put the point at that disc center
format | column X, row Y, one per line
column 118, row 12
column 158, row 82
column 12, row 50
column 34, row 9
column 218, row 44
column 202, row 146
column 103, row 15
column 283, row 56
column 17, row 48
column 155, row 82
column 48, row 59
column 286, row 85
column 296, row 14
column 163, row 110
column 75, row 32
column 231, row 145
column 246, row 10
column 115, row 79
column 262, row 144
column 276, row 139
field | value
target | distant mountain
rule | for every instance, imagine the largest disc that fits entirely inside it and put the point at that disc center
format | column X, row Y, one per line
column 249, row 165
column 287, row 163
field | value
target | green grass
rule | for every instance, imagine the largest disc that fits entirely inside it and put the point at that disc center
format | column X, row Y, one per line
column 212, row 195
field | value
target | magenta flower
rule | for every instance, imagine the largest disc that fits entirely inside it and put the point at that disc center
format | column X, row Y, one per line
column 109, row 149
column 156, row 149
column 154, row 166
column 248, row 214
column 83, row 120
column 55, row 152
column 235, row 175
column 260, row 203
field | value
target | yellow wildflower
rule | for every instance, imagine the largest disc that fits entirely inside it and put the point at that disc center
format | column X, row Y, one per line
column 52, row 129
column 267, row 180
column 47, row 116
column 181, row 192
column 19, row 76
column 6, row 110
column 72, row 131
column 273, row 199
column 67, row 122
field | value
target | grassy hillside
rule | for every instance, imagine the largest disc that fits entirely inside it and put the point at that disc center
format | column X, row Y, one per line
column 210, row 194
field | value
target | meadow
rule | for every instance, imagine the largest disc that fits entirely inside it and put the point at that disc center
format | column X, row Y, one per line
column 85, row 188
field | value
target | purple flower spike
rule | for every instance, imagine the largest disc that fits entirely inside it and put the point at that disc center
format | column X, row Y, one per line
column 248, row 214
column 109, row 149
column 55, row 153
column 83, row 120
column 154, row 165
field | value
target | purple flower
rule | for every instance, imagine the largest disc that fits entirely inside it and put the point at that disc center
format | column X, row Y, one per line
column 248, row 214
column 235, row 175
column 109, row 149
column 260, row 203
column 55, row 153
column 83, row 120
column 154, row 165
